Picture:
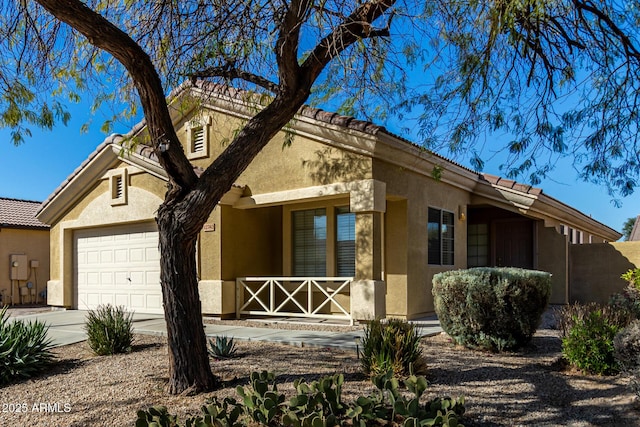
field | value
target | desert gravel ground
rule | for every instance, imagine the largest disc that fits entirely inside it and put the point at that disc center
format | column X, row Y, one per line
column 528, row 388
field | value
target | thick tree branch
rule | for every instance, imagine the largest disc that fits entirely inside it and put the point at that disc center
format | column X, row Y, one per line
column 355, row 27
column 229, row 72
column 287, row 43
column 104, row 35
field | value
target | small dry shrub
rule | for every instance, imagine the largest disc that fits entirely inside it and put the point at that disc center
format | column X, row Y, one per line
column 570, row 315
column 627, row 352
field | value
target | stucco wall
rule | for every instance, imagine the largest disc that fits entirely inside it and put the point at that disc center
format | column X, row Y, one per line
column 419, row 192
column 251, row 242
column 553, row 258
column 396, row 257
column 35, row 245
column 281, row 165
column 595, row 269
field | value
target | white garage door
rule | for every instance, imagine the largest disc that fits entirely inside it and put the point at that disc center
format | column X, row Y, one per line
column 119, row 266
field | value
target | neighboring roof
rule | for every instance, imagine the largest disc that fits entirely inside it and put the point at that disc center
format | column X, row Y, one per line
column 635, row 232
column 16, row 213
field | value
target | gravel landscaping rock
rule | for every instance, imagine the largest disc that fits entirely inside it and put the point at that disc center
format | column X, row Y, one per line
column 528, row 388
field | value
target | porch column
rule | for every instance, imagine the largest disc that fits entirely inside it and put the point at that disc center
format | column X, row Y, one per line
column 368, row 289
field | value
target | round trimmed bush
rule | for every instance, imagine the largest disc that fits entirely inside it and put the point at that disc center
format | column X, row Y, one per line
column 491, row 308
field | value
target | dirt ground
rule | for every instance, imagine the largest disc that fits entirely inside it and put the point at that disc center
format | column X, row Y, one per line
column 528, row 388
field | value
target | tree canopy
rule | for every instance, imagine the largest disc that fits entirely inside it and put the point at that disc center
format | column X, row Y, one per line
column 555, row 76
column 627, row 228
column 552, row 78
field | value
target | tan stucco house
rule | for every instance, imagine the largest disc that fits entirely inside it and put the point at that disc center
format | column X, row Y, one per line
column 335, row 216
column 24, row 252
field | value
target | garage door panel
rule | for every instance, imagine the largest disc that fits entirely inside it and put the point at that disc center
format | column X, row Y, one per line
column 136, row 255
column 137, row 278
column 122, row 299
column 152, row 255
column 92, row 257
column 138, row 301
column 93, row 278
column 120, row 255
column 154, row 301
column 106, row 256
column 120, row 266
column 153, row 277
column 93, row 299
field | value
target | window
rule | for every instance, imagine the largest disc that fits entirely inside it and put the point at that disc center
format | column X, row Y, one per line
column 309, row 243
column 440, row 237
column 345, row 242
column 477, row 245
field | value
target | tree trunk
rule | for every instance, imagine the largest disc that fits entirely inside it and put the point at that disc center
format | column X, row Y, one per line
column 189, row 368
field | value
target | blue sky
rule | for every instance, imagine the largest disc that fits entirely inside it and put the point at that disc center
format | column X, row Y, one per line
column 36, row 168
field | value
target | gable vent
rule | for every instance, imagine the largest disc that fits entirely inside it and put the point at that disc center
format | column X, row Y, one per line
column 197, row 136
column 118, row 187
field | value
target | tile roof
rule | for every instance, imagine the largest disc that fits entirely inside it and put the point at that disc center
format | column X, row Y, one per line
column 507, row 183
column 635, row 232
column 15, row 213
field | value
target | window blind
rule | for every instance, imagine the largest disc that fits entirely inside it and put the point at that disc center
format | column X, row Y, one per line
column 345, row 242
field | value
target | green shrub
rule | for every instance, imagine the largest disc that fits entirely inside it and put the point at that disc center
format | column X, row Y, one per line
column 589, row 343
column 109, row 330
column 569, row 315
column 633, row 277
column 628, row 301
column 222, row 347
column 318, row 403
column 24, row 348
column 626, row 346
column 491, row 308
column 393, row 345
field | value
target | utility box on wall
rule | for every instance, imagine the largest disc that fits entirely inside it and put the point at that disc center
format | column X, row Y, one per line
column 18, row 267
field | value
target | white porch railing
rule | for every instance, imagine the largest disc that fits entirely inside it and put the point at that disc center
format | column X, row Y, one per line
column 293, row 297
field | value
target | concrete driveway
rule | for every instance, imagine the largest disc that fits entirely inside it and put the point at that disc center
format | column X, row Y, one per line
column 67, row 327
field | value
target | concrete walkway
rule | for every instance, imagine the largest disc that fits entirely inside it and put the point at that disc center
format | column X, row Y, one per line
column 66, row 327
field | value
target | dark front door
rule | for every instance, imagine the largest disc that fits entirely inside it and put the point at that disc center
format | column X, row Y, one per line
column 513, row 243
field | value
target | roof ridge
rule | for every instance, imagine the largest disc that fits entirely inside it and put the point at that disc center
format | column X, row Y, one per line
column 19, row 200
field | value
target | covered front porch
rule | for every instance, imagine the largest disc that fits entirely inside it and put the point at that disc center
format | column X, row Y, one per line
column 313, row 253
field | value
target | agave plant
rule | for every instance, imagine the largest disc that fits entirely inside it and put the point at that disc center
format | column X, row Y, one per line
column 25, row 349
column 222, row 347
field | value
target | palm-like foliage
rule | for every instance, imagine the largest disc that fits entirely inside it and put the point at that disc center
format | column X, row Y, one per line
column 24, row 348
column 109, row 330
column 391, row 346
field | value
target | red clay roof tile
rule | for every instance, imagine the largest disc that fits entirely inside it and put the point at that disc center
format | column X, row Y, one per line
column 15, row 213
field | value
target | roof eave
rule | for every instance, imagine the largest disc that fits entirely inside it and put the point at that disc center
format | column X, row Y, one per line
column 538, row 205
column 76, row 185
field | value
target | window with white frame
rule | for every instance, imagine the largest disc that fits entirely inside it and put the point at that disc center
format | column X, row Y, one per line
column 440, row 231
column 345, row 242
column 309, row 244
